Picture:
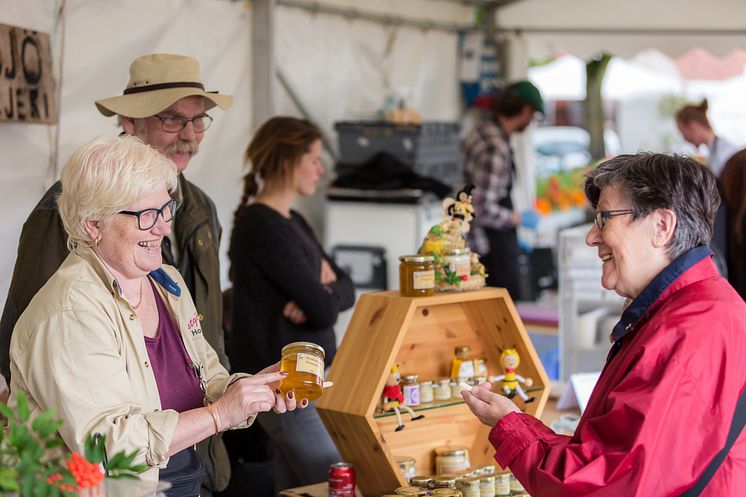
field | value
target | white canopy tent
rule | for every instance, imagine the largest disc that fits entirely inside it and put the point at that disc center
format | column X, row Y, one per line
column 339, row 66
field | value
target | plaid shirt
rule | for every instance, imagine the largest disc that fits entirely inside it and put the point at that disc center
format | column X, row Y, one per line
column 488, row 165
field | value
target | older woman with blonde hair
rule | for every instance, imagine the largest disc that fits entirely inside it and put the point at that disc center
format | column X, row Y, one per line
column 113, row 340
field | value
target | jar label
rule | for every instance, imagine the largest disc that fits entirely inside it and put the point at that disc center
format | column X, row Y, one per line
column 466, row 369
column 309, row 363
column 423, row 280
column 412, row 395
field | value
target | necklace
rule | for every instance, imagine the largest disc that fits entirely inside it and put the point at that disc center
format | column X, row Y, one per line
column 135, row 306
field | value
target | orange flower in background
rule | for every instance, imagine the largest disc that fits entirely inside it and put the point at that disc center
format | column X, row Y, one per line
column 578, row 198
column 86, row 474
column 543, row 206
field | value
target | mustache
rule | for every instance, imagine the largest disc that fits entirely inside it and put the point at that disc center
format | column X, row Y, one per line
column 182, row 147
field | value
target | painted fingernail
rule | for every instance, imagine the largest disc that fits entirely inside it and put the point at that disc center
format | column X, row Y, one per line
column 304, row 402
column 290, row 395
column 284, row 373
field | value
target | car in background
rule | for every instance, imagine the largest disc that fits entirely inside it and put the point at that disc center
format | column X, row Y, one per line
column 563, row 148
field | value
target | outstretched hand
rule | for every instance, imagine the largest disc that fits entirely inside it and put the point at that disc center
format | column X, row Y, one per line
column 488, row 406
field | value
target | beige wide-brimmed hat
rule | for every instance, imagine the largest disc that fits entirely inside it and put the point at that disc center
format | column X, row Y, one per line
column 156, row 82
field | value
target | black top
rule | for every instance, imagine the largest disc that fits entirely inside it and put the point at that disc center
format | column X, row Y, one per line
column 275, row 260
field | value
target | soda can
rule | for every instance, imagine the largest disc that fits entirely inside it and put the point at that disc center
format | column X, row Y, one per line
column 341, row 480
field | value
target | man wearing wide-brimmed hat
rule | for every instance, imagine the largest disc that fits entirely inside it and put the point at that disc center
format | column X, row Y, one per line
column 164, row 104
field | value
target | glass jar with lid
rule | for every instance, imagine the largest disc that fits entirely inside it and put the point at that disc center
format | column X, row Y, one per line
column 416, row 275
column 502, row 484
column 480, row 367
column 469, row 487
column 406, row 467
column 304, row 363
column 442, row 390
column 515, row 484
column 450, row 459
column 411, row 491
column 462, row 366
column 455, row 388
column 426, row 392
column 411, row 389
column 422, row 481
column 444, row 481
column 445, row 492
column 459, row 261
column 486, row 485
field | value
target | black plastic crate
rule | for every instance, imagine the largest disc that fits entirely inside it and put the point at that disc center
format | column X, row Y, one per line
column 413, row 144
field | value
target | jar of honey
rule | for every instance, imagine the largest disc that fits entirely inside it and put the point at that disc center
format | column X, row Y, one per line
column 416, row 275
column 304, row 363
column 462, row 367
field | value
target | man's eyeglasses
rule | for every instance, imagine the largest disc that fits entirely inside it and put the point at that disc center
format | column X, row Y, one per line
column 147, row 218
column 602, row 216
column 174, row 124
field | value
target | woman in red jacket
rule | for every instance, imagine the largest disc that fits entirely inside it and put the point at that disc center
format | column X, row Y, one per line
column 664, row 404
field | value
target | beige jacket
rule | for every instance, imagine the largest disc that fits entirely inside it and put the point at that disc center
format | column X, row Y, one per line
column 79, row 348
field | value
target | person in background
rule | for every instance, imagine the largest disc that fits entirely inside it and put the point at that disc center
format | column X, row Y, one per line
column 285, row 288
column 733, row 192
column 490, row 167
column 665, row 401
column 164, row 104
column 113, row 340
column 696, row 129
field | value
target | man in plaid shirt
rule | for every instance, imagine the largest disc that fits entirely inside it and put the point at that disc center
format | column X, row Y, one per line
column 489, row 166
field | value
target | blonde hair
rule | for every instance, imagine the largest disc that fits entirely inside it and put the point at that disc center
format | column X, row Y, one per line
column 106, row 175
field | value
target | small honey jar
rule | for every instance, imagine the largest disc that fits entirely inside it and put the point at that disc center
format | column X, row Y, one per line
column 416, row 275
column 304, row 363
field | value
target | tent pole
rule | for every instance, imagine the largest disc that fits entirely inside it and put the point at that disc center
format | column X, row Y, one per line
column 262, row 61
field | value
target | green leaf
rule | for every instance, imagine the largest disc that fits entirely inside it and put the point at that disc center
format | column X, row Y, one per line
column 94, row 448
column 23, row 410
column 7, row 412
column 56, row 442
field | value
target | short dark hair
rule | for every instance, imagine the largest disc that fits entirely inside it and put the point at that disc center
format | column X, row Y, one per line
column 662, row 181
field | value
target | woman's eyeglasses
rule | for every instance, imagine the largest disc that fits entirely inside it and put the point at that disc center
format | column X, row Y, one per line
column 602, row 216
column 147, row 218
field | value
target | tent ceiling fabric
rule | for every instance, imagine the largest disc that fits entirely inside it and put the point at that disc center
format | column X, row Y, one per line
column 587, row 27
column 102, row 37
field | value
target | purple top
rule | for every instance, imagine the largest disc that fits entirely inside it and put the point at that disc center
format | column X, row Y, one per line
column 178, row 384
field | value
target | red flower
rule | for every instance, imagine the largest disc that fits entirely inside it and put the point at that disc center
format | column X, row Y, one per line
column 464, row 277
column 86, row 474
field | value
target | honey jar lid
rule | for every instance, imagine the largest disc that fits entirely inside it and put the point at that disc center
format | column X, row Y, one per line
column 462, row 349
column 310, row 345
column 416, row 258
column 451, row 450
column 411, row 491
column 421, row 480
column 446, row 492
column 458, row 251
column 445, row 481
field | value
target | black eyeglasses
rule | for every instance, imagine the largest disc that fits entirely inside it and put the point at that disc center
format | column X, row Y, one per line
column 174, row 124
column 602, row 216
column 147, row 218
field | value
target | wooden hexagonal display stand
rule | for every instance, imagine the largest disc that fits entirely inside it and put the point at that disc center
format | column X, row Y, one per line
column 419, row 334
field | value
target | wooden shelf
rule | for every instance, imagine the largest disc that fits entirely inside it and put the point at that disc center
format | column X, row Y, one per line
column 445, row 403
column 418, row 334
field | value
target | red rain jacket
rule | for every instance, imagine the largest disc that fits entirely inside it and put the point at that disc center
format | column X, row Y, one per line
column 661, row 409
